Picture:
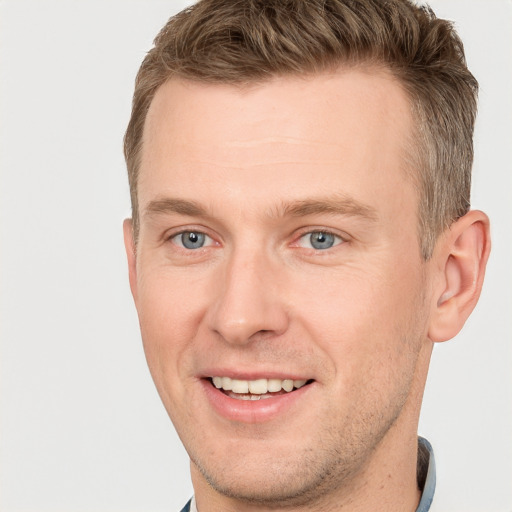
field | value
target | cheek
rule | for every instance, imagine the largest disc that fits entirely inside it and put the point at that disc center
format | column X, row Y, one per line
column 370, row 331
column 170, row 312
column 363, row 319
column 168, row 299
column 169, row 315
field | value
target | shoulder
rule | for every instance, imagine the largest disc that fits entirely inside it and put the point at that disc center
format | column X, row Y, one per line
column 186, row 508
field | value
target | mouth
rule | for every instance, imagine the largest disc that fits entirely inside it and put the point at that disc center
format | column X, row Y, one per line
column 257, row 400
column 258, row 389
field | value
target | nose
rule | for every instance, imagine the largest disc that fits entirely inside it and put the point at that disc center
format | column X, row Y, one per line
column 249, row 301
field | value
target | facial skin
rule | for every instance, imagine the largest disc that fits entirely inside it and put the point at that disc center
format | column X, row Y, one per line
column 257, row 171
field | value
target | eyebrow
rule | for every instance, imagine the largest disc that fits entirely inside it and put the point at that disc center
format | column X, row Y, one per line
column 332, row 205
column 171, row 205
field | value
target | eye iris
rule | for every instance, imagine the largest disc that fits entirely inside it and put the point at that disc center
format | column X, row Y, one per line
column 321, row 240
column 192, row 240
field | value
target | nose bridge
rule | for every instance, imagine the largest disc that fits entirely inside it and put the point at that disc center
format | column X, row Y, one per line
column 248, row 299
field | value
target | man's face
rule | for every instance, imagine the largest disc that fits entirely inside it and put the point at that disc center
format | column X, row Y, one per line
column 278, row 242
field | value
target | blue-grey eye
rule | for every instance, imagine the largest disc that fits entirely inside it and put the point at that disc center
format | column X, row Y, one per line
column 319, row 240
column 191, row 239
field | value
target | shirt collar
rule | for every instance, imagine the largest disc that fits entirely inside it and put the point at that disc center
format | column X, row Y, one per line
column 430, row 479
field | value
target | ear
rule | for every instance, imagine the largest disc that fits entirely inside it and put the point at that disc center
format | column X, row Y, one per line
column 461, row 255
column 129, row 245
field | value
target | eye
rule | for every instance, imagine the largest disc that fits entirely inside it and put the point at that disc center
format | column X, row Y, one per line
column 191, row 240
column 319, row 240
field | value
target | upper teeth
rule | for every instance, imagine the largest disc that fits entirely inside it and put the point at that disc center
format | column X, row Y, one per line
column 258, row 386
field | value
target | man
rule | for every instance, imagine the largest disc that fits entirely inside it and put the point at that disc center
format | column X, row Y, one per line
column 301, row 237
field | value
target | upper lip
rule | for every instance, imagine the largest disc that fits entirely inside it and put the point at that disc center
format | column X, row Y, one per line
column 253, row 375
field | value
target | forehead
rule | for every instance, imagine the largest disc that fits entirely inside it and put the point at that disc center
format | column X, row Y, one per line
column 348, row 129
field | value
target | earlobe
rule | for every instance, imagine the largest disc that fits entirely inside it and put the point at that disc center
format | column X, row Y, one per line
column 462, row 257
column 129, row 245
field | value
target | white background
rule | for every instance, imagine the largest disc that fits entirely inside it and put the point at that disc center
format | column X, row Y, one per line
column 82, row 428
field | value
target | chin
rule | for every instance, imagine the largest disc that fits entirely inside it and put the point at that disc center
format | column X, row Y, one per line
column 273, row 487
column 276, row 478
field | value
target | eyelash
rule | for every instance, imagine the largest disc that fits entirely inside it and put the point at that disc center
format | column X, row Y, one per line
column 338, row 239
column 199, row 232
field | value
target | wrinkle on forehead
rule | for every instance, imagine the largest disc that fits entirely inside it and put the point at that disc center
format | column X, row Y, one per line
column 277, row 140
column 222, row 122
column 211, row 163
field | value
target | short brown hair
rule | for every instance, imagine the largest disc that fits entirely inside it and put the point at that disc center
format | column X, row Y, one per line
column 250, row 41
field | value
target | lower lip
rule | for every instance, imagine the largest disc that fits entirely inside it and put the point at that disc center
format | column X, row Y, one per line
column 252, row 411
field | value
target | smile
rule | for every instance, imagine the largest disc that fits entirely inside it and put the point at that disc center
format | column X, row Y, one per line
column 256, row 400
column 256, row 389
